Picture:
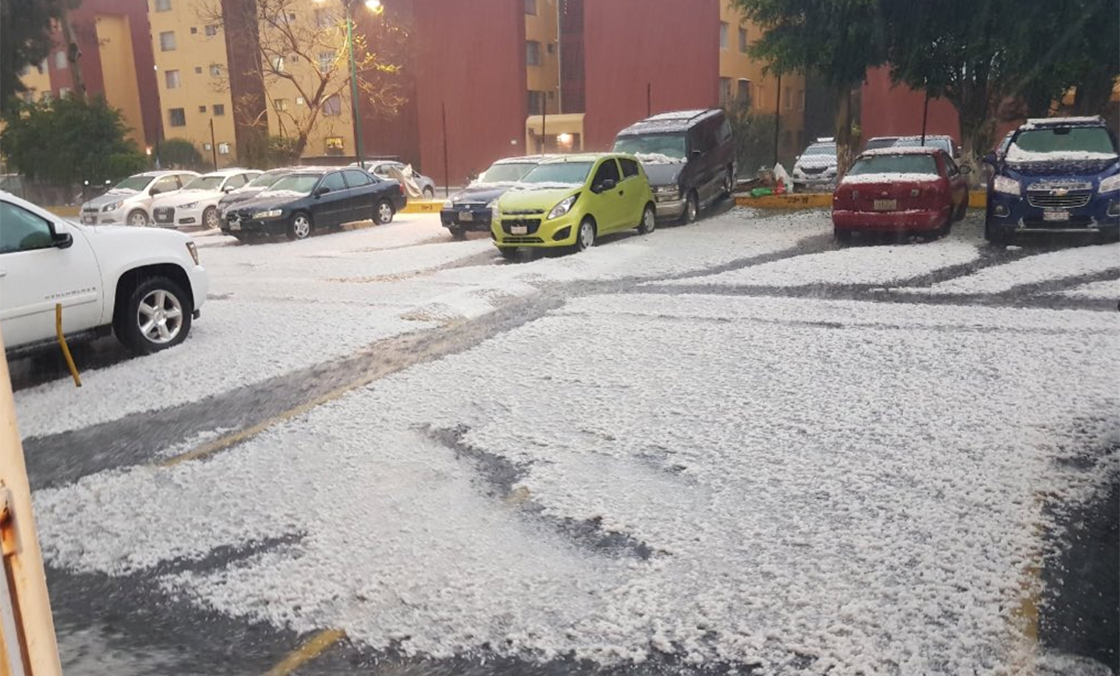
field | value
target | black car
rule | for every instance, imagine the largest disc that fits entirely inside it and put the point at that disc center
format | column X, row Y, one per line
column 310, row 198
column 469, row 209
column 252, row 189
column 689, row 157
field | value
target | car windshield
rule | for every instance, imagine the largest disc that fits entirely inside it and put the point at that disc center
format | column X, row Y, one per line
column 205, row 183
column 264, row 180
column 822, row 149
column 507, row 172
column 671, row 146
column 134, row 183
column 894, row 164
column 564, row 173
column 301, row 183
column 1062, row 142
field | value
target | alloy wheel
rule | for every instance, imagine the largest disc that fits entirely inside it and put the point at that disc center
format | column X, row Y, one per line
column 160, row 317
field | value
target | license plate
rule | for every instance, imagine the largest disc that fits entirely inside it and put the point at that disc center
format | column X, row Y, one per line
column 1055, row 215
column 235, row 225
column 465, row 216
column 89, row 220
column 886, row 205
column 519, row 230
column 163, row 218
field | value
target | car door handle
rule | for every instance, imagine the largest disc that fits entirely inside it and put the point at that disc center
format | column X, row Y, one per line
column 621, row 192
column 3, row 273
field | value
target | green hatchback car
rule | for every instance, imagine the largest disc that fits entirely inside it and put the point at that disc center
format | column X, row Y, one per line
column 571, row 201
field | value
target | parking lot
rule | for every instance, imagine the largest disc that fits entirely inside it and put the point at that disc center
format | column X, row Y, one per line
column 731, row 447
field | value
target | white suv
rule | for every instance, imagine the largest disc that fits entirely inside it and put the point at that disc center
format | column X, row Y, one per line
column 196, row 205
column 130, row 201
column 143, row 285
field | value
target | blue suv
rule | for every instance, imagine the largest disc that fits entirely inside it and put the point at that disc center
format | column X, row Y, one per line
column 1057, row 175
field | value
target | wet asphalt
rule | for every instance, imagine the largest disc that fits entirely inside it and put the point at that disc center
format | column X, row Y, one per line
column 129, row 626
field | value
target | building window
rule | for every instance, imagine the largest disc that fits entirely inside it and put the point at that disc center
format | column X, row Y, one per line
column 177, row 117
column 291, row 16
column 334, row 145
column 743, row 96
column 207, row 147
column 60, row 62
column 45, row 97
column 533, row 53
column 531, row 7
column 171, row 79
column 801, row 100
column 163, row 5
column 210, row 30
column 63, row 92
column 215, row 70
column 167, row 41
column 219, row 109
column 326, row 62
column 299, row 101
column 788, row 96
column 332, row 107
column 723, row 28
column 724, row 91
column 280, row 104
column 202, row 109
column 536, row 103
column 757, row 96
column 223, row 149
column 278, row 64
column 743, row 40
column 198, row 70
column 324, row 18
column 194, row 30
column 43, row 65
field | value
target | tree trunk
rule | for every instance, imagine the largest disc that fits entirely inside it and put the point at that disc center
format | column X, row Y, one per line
column 843, row 130
column 1093, row 93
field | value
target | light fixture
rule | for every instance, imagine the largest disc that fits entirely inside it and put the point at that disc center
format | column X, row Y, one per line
column 374, row 5
column 564, row 139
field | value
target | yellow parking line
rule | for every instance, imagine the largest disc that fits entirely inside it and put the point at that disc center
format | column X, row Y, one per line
column 312, row 648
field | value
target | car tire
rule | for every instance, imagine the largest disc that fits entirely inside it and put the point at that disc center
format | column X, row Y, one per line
column 585, row 237
column 429, row 193
column 649, row 220
column 962, row 211
column 383, row 212
column 691, row 208
column 156, row 315
column 211, row 219
column 994, row 235
column 300, row 226
column 841, row 234
column 457, row 233
column 138, row 218
column 508, row 252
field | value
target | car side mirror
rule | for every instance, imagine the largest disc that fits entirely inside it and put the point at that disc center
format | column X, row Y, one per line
column 154, row 191
column 228, row 189
column 695, row 153
column 965, row 169
column 321, row 190
column 62, row 240
column 990, row 158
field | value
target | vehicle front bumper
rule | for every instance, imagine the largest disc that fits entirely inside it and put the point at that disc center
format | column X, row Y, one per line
column 200, row 286
column 891, row 221
column 1014, row 214
column 478, row 218
column 114, row 217
column 178, row 217
column 269, row 226
column 669, row 209
column 539, row 233
column 814, row 180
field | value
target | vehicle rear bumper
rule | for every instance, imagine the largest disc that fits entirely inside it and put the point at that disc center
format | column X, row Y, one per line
column 890, row 220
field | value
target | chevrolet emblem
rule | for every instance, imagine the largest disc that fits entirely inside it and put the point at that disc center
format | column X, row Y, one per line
column 1059, row 192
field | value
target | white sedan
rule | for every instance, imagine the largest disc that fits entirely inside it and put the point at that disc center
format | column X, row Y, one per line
column 197, row 203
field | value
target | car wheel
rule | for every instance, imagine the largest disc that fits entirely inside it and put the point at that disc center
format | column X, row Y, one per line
column 691, row 208
column 962, row 211
column 211, row 219
column 649, row 220
column 508, row 252
column 383, row 213
column 300, row 226
column 155, row 316
column 457, row 233
column 585, row 238
column 138, row 218
column 841, row 234
column 429, row 193
column 995, row 235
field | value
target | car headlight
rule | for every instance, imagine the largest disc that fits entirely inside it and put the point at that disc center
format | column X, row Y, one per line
column 271, row 213
column 1109, row 184
column 448, row 205
column 1008, row 186
column 193, row 250
column 112, row 207
column 494, row 208
column 188, row 206
column 563, row 207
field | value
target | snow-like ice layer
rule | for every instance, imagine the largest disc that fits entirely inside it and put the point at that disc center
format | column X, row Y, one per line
column 853, row 265
column 1017, row 154
column 891, row 177
column 804, row 472
column 1109, row 288
column 1035, row 269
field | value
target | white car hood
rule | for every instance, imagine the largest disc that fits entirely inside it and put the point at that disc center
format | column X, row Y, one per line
column 181, row 197
column 815, row 163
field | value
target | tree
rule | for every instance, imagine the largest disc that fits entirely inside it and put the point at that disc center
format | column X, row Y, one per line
column 307, row 54
column 25, row 40
column 179, row 153
column 754, row 137
column 836, row 39
column 69, row 140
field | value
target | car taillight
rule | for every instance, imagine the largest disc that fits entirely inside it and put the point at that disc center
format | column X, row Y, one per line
column 400, row 186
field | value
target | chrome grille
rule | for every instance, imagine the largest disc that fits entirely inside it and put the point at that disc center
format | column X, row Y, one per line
column 530, row 224
column 164, row 214
column 1048, row 200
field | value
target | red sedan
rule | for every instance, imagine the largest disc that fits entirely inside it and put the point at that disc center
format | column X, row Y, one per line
column 900, row 190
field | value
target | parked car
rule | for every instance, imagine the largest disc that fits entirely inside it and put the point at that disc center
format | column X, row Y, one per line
column 816, row 166
column 196, row 204
column 469, row 209
column 1058, row 175
column 689, row 157
column 146, row 286
column 941, row 141
column 311, row 198
column 252, row 189
column 384, row 170
column 130, row 201
column 900, row 189
column 880, row 142
column 572, row 201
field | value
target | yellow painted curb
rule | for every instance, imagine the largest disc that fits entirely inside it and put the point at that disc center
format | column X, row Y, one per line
column 978, row 199
column 64, row 211
column 422, row 207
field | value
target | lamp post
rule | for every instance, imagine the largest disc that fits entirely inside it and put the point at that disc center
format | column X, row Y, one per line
column 375, row 7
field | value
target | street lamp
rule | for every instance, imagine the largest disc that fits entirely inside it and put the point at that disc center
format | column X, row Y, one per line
column 375, row 7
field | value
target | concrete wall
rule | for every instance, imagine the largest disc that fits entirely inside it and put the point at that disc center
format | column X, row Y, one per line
column 670, row 45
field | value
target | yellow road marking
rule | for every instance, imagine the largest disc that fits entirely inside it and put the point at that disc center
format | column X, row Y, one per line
column 312, row 648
